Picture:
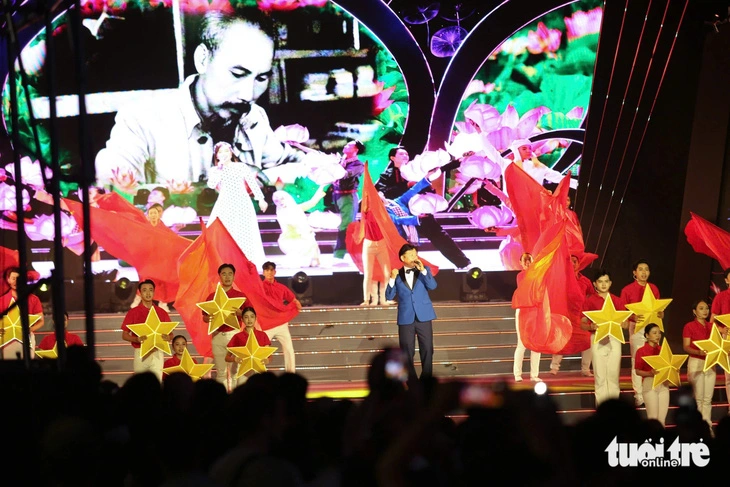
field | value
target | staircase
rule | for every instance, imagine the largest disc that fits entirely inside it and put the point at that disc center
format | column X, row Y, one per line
column 334, row 346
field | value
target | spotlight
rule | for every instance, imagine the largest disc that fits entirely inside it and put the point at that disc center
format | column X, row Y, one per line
column 540, row 388
column 474, row 286
column 302, row 287
column 122, row 296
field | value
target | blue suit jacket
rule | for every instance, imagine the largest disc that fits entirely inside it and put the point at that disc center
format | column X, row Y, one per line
column 413, row 304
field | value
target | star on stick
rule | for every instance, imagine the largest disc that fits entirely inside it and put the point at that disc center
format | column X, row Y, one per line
column 666, row 365
column 52, row 353
column 716, row 346
column 648, row 308
column 187, row 366
column 608, row 321
column 153, row 329
column 252, row 355
column 222, row 310
column 12, row 325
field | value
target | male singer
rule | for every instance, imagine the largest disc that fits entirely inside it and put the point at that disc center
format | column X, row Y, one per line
column 411, row 284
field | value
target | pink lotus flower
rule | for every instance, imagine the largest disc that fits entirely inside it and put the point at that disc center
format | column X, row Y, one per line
column 7, row 198
column 202, row 6
column 500, row 129
column 584, row 23
column 3, row 175
column 575, row 114
column 313, row 3
column 41, row 228
column 543, row 40
column 382, row 100
column 420, row 166
column 124, row 180
column 478, row 86
column 510, row 251
column 179, row 187
column 460, row 181
column 30, row 172
column 280, row 5
column 323, row 168
column 177, row 215
column 427, row 204
column 490, row 216
column 292, row 133
column 480, row 167
column 514, row 46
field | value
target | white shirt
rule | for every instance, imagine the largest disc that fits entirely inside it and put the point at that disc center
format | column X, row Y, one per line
column 409, row 276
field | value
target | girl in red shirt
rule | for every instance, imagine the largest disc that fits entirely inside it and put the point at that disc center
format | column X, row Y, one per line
column 656, row 399
column 240, row 339
column 703, row 383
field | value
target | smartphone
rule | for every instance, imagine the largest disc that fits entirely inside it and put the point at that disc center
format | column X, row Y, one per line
column 479, row 396
column 395, row 366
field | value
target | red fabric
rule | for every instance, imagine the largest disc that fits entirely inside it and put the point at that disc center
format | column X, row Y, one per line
column 595, row 301
column 576, row 247
column 49, row 341
column 174, row 362
column 694, row 330
column 138, row 315
column 646, row 351
column 634, row 293
column 530, row 202
column 371, row 203
column 231, row 293
column 708, row 239
column 586, row 285
column 240, row 339
column 278, row 292
column 34, row 304
column 372, row 230
column 124, row 232
column 721, row 304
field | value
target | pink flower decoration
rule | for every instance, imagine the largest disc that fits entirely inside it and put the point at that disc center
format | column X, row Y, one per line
column 3, row 175
column 156, row 196
column 280, row 5
column 427, row 204
column 292, row 133
column 179, row 187
column 514, row 47
column 478, row 86
column 543, row 40
column 30, row 172
column 313, row 3
column 485, row 117
column 41, row 228
column 510, row 251
column 575, row 114
column 382, row 100
column 124, row 180
column 323, row 168
column 479, row 167
column 7, row 197
column 460, row 181
column 419, row 167
column 490, row 216
column 584, row 23
column 176, row 215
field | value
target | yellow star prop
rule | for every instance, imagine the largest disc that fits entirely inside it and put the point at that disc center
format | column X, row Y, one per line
column 666, row 365
column 52, row 353
column 153, row 329
column 12, row 325
column 222, row 310
column 187, row 366
column 648, row 308
column 717, row 348
column 608, row 321
column 252, row 354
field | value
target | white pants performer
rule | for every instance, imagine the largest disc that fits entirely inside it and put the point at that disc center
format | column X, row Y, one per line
column 12, row 349
column 219, row 347
column 152, row 362
column 636, row 341
column 656, row 400
column 606, row 368
column 703, row 384
column 586, row 357
column 520, row 355
column 282, row 335
column 373, row 252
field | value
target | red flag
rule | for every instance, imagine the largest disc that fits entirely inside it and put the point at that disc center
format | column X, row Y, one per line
column 708, row 239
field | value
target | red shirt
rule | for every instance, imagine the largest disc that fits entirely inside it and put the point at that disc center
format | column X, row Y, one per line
column 240, row 339
column 173, row 362
column 50, row 341
column 594, row 302
column 231, row 293
column 138, row 314
column 634, row 292
column 278, row 292
column 646, row 351
column 586, row 284
column 34, row 304
column 372, row 230
column 721, row 304
column 694, row 330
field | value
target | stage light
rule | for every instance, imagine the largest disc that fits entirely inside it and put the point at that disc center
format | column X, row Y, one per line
column 474, row 286
column 122, row 296
column 302, row 287
column 540, row 388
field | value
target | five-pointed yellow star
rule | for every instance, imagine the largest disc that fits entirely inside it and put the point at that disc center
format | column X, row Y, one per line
column 12, row 325
column 252, row 355
column 52, row 353
column 153, row 329
column 648, row 308
column 717, row 348
column 666, row 365
column 608, row 321
column 187, row 366
column 222, row 310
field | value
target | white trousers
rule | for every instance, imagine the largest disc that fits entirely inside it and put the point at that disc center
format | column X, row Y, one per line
column 586, row 357
column 520, row 354
column 656, row 400
column 703, row 384
column 223, row 369
column 606, row 368
column 636, row 341
column 12, row 349
column 152, row 362
column 281, row 334
column 373, row 252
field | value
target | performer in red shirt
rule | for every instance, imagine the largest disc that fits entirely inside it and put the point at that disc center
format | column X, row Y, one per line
column 703, row 383
column 721, row 306
column 607, row 352
column 223, row 335
column 240, row 339
column 153, row 361
column 71, row 339
column 280, row 293
column 656, row 400
column 633, row 293
column 14, row 349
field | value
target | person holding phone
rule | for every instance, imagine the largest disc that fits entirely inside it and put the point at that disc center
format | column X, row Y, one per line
column 411, row 284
